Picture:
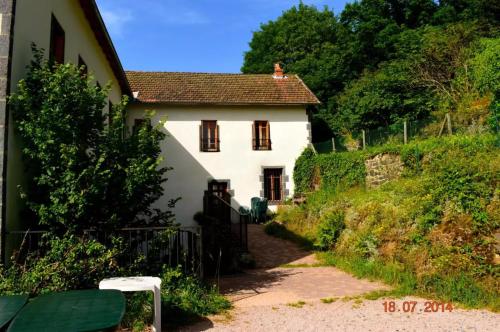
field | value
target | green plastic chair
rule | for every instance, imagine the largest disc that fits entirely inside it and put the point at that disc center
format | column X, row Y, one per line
column 258, row 209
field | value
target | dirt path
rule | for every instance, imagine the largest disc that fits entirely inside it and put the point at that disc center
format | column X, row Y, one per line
column 276, row 298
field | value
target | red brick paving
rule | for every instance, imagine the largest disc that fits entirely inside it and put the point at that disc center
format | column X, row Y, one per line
column 271, row 284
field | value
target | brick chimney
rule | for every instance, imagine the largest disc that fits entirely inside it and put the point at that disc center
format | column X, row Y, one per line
column 278, row 72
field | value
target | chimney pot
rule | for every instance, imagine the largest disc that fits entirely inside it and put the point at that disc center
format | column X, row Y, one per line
column 278, row 71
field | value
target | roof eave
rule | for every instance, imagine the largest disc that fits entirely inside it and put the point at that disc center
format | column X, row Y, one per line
column 168, row 103
column 96, row 22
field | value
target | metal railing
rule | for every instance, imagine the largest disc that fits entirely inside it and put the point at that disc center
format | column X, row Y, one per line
column 261, row 144
column 216, row 207
column 151, row 246
column 209, row 145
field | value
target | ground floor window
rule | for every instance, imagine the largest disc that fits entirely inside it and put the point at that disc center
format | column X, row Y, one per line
column 273, row 184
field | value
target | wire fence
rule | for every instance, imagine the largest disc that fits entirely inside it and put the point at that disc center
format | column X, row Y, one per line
column 402, row 133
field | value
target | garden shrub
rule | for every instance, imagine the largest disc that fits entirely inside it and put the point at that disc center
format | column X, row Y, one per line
column 436, row 223
column 184, row 297
column 303, row 171
column 343, row 169
column 329, row 228
column 84, row 173
column 68, row 263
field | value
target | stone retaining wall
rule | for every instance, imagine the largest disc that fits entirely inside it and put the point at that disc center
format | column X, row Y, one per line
column 383, row 168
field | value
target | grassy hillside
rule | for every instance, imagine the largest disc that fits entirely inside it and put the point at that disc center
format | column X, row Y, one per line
column 429, row 233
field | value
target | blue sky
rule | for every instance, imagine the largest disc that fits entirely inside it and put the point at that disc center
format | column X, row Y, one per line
column 190, row 35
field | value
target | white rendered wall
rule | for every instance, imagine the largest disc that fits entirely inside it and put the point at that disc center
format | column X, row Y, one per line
column 236, row 161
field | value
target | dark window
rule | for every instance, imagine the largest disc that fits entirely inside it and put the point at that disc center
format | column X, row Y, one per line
column 138, row 123
column 261, row 135
column 273, row 184
column 57, row 41
column 209, row 136
column 219, row 189
column 82, row 66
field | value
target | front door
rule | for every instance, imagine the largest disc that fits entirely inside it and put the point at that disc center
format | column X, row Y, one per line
column 219, row 189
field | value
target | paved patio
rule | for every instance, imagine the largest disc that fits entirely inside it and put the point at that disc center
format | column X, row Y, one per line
column 262, row 299
column 270, row 284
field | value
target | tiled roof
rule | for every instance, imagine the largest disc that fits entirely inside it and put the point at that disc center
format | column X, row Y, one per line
column 219, row 89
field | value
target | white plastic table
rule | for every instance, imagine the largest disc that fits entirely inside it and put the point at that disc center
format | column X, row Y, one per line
column 134, row 284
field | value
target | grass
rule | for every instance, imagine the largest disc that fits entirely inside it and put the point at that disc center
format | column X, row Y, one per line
column 404, row 282
column 459, row 289
column 278, row 230
column 426, row 234
column 298, row 304
column 329, row 300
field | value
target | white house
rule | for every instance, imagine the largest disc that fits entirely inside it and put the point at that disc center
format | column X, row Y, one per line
column 242, row 131
column 226, row 132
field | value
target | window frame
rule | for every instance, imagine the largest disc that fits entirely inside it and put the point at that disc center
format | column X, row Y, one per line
column 57, row 49
column 266, row 191
column 259, row 143
column 206, row 143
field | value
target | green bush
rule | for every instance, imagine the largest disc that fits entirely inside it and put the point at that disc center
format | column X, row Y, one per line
column 84, row 173
column 184, row 297
column 329, row 229
column 68, row 263
column 435, row 224
column 336, row 170
column 303, row 172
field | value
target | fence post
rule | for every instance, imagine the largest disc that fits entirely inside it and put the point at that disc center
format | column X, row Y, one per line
column 333, row 144
column 405, row 130
column 448, row 119
column 364, row 139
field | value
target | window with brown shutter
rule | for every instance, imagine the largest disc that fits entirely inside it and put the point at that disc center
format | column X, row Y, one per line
column 273, row 184
column 57, row 41
column 209, row 136
column 261, row 135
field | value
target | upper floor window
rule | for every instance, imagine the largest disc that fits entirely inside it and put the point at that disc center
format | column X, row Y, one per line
column 82, row 66
column 209, row 136
column 57, row 41
column 261, row 135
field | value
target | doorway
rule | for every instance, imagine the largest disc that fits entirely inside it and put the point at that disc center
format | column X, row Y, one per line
column 220, row 188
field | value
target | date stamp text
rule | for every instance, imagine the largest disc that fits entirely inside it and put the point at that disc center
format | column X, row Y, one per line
column 415, row 306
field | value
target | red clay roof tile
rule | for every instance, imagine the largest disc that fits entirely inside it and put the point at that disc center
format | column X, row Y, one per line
column 221, row 89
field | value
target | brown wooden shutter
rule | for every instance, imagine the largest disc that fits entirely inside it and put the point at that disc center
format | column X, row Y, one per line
column 268, row 136
column 254, row 146
column 217, row 139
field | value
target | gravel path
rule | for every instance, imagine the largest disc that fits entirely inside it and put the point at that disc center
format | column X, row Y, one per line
column 349, row 316
column 277, row 298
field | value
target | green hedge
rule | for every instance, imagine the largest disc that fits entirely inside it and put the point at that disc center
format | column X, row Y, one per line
column 346, row 169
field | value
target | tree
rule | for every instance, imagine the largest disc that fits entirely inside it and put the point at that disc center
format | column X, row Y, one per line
column 83, row 173
column 380, row 98
column 379, row 61
column 375, row 25
column 306, row 42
